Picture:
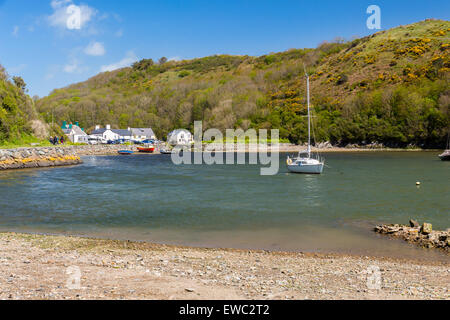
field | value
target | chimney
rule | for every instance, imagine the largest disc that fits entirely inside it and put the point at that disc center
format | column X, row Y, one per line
column 97, row 127
column 108, row 127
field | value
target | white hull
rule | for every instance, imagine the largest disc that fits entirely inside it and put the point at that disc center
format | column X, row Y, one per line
column 308, row 168
column 306, row 164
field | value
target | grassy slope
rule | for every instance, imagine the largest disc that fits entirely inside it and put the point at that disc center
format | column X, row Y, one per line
column 390, row 87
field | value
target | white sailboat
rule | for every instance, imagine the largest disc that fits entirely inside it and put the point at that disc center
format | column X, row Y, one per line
column 305, row 162
column 446, row 155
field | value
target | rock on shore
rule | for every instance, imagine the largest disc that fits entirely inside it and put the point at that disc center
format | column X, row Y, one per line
column 40, row 157
column 423, row 236
column 37, row 158
column 99, row 150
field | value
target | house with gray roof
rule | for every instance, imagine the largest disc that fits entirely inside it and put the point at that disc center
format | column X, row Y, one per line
column 74, row 132
column 137, row 134
column 143, row 134
column 107, row 134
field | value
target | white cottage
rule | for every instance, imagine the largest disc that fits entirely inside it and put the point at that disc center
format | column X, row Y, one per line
column 108, row 134
column 180, row 137
column 75, row 133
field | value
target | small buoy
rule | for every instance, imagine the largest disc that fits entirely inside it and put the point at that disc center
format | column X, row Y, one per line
column 417, row 183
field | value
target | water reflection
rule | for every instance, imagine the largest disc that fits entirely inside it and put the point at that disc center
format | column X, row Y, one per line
column 148, row 198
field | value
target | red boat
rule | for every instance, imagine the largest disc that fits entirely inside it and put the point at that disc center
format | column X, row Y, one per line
column 146, row 149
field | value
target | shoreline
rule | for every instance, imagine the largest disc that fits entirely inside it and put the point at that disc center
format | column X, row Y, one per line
column 105, row 149
column 143, row 244
column 247, row 149
column 25, row 158
column 116, row 269
column 70, row 155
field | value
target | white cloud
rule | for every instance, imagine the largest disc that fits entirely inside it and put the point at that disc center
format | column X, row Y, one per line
column 95, row 49
column 71, row 67
column 15, row 32
column 119, row 33
column 59, row 3
column 74, row 66
column 175, row 59
column 104, row 16
column 125, row 62
column 62, row 13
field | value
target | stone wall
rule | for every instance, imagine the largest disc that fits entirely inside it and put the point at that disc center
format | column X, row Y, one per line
column 37, row 158
column 100, row 149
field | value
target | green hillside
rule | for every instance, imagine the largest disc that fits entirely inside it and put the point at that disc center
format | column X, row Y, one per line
column 19, row 121
column 391, row 87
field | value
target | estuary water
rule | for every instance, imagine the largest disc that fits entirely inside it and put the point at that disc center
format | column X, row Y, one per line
column 148, row 198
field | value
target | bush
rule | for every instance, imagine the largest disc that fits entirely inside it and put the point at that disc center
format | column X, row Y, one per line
column 342, row 78
column 183, row 73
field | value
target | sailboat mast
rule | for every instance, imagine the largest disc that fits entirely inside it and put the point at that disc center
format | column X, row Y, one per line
column 448, row 140
column 309, row 118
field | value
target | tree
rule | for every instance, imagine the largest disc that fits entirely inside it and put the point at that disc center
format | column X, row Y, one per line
column 123, row 120
column 162, row 60
column 3, row 73
column 20, row 83
column 142, row 65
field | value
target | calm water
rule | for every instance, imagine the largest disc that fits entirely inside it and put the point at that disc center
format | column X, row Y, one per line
column 146, row 197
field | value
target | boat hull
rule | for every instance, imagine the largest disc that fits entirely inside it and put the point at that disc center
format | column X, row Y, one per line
column 308, row 168
column 165, row 151
column 445, row 156
column 125, row 152
column 146, row 150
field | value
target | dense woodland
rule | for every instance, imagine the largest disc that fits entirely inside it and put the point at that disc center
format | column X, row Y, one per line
column 391, row 88
column 18, row 117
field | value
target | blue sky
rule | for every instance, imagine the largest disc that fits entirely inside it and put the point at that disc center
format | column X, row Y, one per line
column 36, row 44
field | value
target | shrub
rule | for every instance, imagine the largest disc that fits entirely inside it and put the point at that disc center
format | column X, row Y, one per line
column 183, row 73
column 342, row 78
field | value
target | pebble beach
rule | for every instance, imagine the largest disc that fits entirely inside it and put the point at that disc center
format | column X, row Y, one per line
column 60, row 268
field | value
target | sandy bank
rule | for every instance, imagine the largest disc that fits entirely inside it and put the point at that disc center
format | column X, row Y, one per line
column 36, row 267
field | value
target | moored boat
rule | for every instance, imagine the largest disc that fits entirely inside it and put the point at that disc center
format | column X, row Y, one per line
column 125, row 152
column 148, row 149
column 305, row 162
column 165, row 151
column 445, row 156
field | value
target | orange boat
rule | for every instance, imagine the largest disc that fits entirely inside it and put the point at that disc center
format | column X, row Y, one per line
column 146, row 149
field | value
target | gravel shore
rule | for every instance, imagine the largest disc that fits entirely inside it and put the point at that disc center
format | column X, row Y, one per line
column 47, row 267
